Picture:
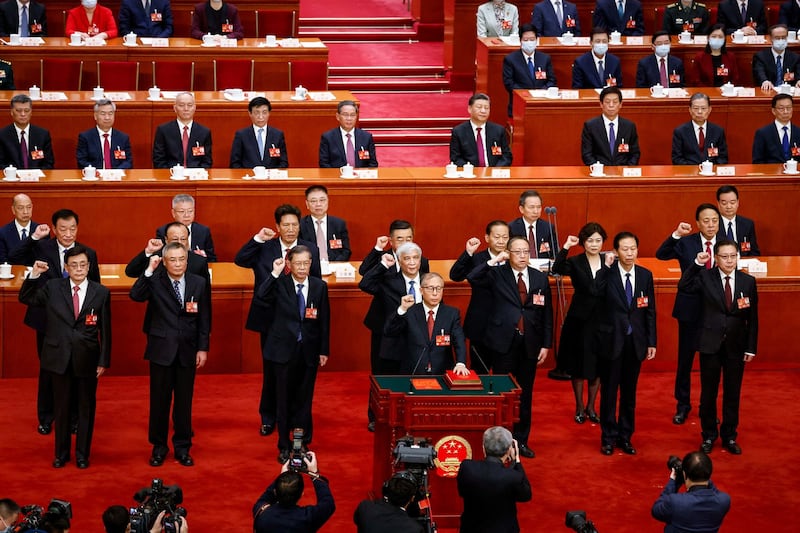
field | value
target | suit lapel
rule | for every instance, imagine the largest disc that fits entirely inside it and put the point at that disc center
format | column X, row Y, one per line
column 66, row 292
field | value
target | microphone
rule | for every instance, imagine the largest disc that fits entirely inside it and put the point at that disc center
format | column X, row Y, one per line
column 419, row 360
column 480, row 359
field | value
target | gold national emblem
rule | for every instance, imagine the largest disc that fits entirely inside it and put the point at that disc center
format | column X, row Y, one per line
column 450, row 451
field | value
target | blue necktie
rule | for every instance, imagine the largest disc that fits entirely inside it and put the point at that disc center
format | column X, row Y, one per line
column 620, row 9
column 411, row 290
column 779, row 71
column 301, row 306
column 601, row 72
column 729, row 234
column 785, row 142
column 176, row 286
column 530, row 68
column 628, row 296
column 261, row 143
column 744, row 13
column 24, row 29
column 612, row 139
column 24, row 234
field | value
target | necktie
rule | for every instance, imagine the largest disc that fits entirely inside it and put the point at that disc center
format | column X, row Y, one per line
column 744, row 13
column 728, row 293
column 560, row 15
column 729, row 233
column 185, row 141
column 76, row 301
column 24, row 234
column 147, row 9
column 530, row 68
column 612, row 139
column 23, row 148
column 261, row 143
column 620, row 9
column 701, row 139
column 523, row 295
column 481, row 150
column 430, row 324
column 176, row 287
column 784, row 141
column 321, row 244
column 286, row 262
column 708, row 251
column 301, row 306
column 778, row 71
column 106, row 151
column 628, row 296
column 663, row 72
column 24, row 29
column 64, row 273
column 411, row 290
column 601, row 72
column 532, row 242
column 351, row 151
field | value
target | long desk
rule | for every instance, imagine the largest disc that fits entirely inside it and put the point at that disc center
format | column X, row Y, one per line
column 302, row 122
column 233, row 349
column 271, row 72
column 542, row 136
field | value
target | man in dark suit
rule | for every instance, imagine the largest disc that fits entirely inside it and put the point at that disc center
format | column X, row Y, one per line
column 609, row 138
column 17, row 231
column 431, row 331
column 491, row 489
column 628, row 336
column 660, row 68
column 6, row 76
column 347, row 145
column 552, row 19
column 699, row 140
column 328, row 231
column 521, row 331
column 11, row 21
column 298, row 341
column 175, row 232
column 734, row 226
column 753, row 21
column 258, row 254
column 480, row 300
column 39, row 247
column 701, row 508
column 728, row 338
column 77, row 345
column 182, row 141
column 779, row 141
column 179, row 307
column 390, row 512
column 686, row 15
column 258, row 144
column 597, row 68
column 628, row 20
column 531, row 226
column 789, row 14
column 22, row 144
column 200, row 241
column 103, row 146
column 155, row 22
column 478, row 141
column 526, row 69
column 766, row 62
column 683, row 246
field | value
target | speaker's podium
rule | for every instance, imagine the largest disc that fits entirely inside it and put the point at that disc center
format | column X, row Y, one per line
column 454, row 421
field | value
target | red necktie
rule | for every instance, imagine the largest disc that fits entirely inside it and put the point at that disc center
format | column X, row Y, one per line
column 23, row 148
column 523, row 295
column 76, row 302
column 728, row 294
column 106, row 151
column 663, row 71
column 481, row 149
column 701, row 140
column 532, row 242
column 708, row 251
column 185, row 140
column 430, row 324
column 286, row 262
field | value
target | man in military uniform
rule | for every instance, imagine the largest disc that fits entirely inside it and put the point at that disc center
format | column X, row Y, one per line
column 6, row 76
column 686, row 15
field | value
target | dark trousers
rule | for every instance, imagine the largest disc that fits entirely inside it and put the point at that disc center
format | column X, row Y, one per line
column 729, row 363
column 687, row 346
column 266, row 407
column 168, row 383
column 294, row 394
column 480, row 357
column 44, row 393
column 620, row 375
column 83, row 391
column 522, row 366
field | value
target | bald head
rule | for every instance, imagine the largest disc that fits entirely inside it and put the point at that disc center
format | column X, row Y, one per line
column 22, row 209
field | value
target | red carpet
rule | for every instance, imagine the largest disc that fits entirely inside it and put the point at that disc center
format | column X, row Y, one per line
column 385, row 54
column 234, row 464
column 385, row 105
column 348, row 9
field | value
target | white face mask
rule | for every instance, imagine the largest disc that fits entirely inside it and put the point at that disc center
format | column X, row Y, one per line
column 600, row 49
column 716, row 43
column 89, row 4
column 779, row 45
column 528, row 47
column 662, row 50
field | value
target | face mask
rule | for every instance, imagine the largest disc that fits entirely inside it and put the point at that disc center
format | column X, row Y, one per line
column 662, row 50
column 89, row 4
column 528, row 47
column 716, row 43
column 600, row 49
column 779, row 45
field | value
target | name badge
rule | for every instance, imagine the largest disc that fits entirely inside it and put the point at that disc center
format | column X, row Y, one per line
column 688, row 26
column 713, row 151
column 191, row 306
column 743, row 302
column 623, row 148
column 544, row 247
column 274, row 152
column 155, row 17
column 722, row 70
column 630, row 24
column 335, row 244
column 37, row 154
column 538, row 299
column 2, row 73
column 496, row 150
column 744, row 246
column 198, row 150
column 795, row 150
column 611, row 82
column 642, row 301
column 227, row 28
column 311, row 313
column 119, row 154
column 540, row 74
column 570, row 22
column 36, row 28
column 442, row 340
column 91, row 319
column 506, row 24
column 752, row 24
column 363, row 154
column 788, row 76
column 674, row 78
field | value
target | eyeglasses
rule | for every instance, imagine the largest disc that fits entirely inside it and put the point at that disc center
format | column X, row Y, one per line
column 520, row 252
column 432, row 288
column 184, row 212
column 82, row 265
column 348, row 115
column 727, row 257
column 301, row 263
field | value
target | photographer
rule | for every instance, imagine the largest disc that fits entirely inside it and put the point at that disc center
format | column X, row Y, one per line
column 701, row 508
column 490, row 489
column 389, row 513
column 116, row 519
column 9, row 513
column 277, row 509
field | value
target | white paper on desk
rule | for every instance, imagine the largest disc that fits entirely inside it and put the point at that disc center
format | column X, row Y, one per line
column 111, row 174
column 30, row 174
column 756, row 39
column 94, row 41
column 322, row 96
column 31, row 41
column 634, row 41
column 746, row 91
column 312, row 44
column 228, row 43
column 155, row 41
column 628, row 94
column 583, row 41
column 701, row 39
column 677, row 92
column 197, row 173
column 170, row 95
column 344, row 271
column 512, row 40
column 277, row 174
column 118, row 96
column 569, row 94
column 752, row 264
column 54, row 97
column 366, row 173
column 538, row 93
column 289, row 43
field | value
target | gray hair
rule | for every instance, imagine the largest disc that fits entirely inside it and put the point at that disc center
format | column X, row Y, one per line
column 496, row 441
column 180, row 198
column 104, row 102
column 408, row 248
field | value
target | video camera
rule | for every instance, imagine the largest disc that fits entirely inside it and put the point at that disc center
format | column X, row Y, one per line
column 674, row 463
column 154, row 499
column 576, row 521
column 58, row 511
column 417, row 456
column 297, row 458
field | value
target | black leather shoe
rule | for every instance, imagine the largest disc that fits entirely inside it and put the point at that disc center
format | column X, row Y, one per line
column 156, row 460
column 82, row 463
column 524, row 451
column 45, row 429
column 371, row 427
column 559, row 375
column 59, row 463
column 607, row 449
column 266, row 430
column 592, row 416
column 679, row 418
column 733, row 448
column 185, row 459
column 580, row 417
column 626, row 447
column 706, row 446
column 283, row 456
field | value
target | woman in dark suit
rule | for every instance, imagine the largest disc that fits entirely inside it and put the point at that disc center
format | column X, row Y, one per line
column 217, row 18
column 576, row 334
column 715, row 66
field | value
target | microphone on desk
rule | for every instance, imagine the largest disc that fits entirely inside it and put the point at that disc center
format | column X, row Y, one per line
column 552, row 218
column 419, row 360
column 480, row 359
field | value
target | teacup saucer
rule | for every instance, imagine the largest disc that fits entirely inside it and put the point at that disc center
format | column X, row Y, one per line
column 712, row 173
column 298, row 98
column 90, row 178
column 601, row 175
column 456, row 175
column 130, row 44
column 10, row 179
column 348, row 177
column 76, row 44
column 175, row 178
column 154, row 99
column 10, row 276
column 662, row 95
column 209, row 45
column 791, row 173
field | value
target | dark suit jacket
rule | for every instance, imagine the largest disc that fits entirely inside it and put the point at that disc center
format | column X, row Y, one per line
column 685, row 150
column 685, row 250
column 463, row 147
column 584, row 71
column 594, row 143
column 745, row 230
column 280, row 294
column 789, row 14
column 421, row 350
column 200, row 238
column 90, row 150
column 491, row 492
column 336, row 227
column 606, row 16
column 168, row 147
column 172, row 333
column 704, row 70
column 374, row 257
column 736, row 328
column 517, row 227
column 332, row 154
column 480, row 301
column 9, row 18
column 259, row 257
column 589, row 291
column 767, row 145
column 698, row 509
column 764, row 67
column 517, row 76
column 276, row 517
column 132, row 18
column 201, row 26
column 729, row 13
column 37, row 138
column 648, row 73
column 9, row 241
column 379, row 516
column 244, row 150
column 507, row 308
column 69, row 341
column 545, row 20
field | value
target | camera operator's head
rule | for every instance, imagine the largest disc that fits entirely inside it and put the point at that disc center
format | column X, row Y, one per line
column 289, row 488
column 116, row 519
column 497, row 441
column 696, row 468
column 9, row 512
column 400, row 489
column 55, row 523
